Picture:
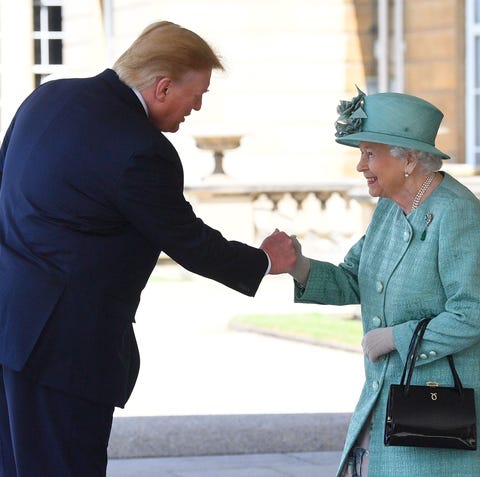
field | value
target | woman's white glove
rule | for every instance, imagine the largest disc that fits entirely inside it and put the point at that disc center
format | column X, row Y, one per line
column 378, row 342
column 301, row 270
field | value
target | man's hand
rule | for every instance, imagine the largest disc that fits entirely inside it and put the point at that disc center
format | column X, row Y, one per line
column 279, row 247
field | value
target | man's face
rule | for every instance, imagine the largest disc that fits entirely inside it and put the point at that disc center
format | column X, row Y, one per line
column 180, row 98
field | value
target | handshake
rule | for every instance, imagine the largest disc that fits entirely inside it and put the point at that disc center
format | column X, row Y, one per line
column 285, row 253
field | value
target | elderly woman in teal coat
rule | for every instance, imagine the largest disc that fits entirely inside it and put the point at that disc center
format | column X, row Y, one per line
column 419, row 258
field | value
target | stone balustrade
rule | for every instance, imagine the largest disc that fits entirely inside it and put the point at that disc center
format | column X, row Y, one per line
column 327, row 216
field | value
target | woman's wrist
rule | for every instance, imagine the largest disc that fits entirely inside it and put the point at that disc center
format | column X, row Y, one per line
column 301, row 270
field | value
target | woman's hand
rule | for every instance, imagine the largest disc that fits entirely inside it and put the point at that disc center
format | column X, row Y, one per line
column 301, row 269
column 377, row 343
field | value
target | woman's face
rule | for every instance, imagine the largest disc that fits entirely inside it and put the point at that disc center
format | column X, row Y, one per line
column 383, row 172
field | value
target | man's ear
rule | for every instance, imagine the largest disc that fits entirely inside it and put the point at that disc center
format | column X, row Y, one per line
column 161, row 88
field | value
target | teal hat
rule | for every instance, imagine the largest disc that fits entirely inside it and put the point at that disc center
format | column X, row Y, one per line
column 389, row 118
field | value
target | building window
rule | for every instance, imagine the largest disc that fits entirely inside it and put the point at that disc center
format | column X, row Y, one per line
column 47, row 38
column 473, row 82
column 1, row 63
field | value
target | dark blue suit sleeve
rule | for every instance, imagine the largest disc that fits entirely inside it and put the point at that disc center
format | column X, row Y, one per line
column 151, row 198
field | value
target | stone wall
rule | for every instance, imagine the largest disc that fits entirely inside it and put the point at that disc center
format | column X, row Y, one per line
column 435, row 65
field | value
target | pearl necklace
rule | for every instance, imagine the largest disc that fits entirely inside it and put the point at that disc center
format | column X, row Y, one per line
column 424, row 187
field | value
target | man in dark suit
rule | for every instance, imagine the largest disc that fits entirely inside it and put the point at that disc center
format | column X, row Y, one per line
column 91, row 193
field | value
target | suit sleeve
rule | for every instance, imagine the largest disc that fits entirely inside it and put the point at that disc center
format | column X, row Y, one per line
column 329, row 284
column 150, row 196
column 458, row 326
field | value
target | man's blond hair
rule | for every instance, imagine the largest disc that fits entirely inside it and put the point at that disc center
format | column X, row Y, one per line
column 164, row 49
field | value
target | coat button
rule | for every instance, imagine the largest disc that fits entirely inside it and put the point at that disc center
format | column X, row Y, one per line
column 379, row 286
column 375, row 385
column 406, row 236
column 376, row 321
column 423, row 356
column 432, row 353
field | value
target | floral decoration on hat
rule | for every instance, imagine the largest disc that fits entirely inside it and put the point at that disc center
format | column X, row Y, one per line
column 351, row 115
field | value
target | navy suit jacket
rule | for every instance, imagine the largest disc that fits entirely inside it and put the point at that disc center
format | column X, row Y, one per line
column 91, row 193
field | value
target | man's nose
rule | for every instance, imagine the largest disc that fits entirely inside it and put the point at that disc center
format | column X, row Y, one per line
column 198, row 104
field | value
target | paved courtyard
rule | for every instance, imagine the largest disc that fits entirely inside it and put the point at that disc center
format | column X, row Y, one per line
column 192, row 364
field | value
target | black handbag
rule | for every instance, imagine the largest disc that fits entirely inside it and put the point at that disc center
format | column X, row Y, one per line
column 431, row 415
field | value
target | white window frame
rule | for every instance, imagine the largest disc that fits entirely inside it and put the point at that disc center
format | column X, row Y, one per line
column 472, row 96
column 45, row 68
column 1, row 73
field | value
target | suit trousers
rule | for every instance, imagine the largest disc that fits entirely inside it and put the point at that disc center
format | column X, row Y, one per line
column 45, row 432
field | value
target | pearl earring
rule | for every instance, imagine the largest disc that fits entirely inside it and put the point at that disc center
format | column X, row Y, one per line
column 406, row 174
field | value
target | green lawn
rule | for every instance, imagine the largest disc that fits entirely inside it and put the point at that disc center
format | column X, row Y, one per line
column 333, row 330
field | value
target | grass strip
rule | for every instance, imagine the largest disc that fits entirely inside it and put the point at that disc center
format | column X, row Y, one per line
column 333, row 330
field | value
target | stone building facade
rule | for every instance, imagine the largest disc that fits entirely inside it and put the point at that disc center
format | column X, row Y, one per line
column 288, row 64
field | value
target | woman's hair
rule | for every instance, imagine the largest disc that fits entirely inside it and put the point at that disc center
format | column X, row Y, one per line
column 164, row 49
column 427, row 161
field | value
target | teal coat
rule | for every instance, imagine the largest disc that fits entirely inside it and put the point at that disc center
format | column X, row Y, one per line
column 398, row 279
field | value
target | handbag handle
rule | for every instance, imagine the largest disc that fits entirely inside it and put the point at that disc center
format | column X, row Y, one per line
column 413, row 354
